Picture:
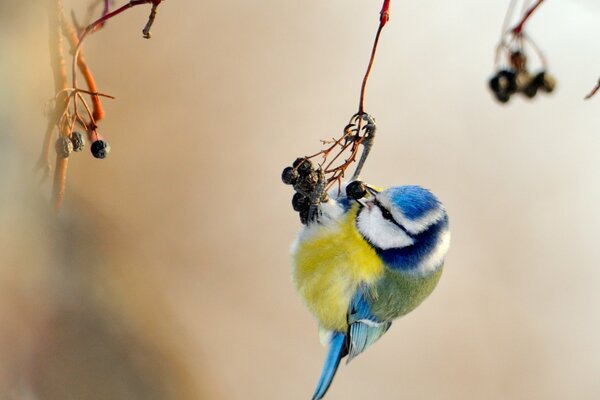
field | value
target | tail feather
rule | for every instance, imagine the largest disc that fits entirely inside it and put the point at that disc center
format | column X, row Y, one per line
column 337, row 350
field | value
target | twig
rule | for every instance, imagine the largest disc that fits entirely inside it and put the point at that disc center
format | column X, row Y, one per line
column 384, row 17
column 519, row 27
column 594, row 91
column 71, row 34
column 57, row 60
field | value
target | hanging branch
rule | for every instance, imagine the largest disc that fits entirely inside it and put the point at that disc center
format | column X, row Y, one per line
column 65, row 114
column 312, row 184
column 519, row 27
column 360, row 129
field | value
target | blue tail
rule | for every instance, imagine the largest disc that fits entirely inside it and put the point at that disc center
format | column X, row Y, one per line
column 337, row 350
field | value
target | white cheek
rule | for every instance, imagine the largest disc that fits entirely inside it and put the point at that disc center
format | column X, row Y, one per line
column 436, row 258
column 380, row 232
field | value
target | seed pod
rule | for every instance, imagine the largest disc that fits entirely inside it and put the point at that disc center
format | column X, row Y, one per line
column 300, row 202
column 356, row 190
column 77, row 140
column 303, row 166
column 289, row 176
column 100, row 149
column 63, row 146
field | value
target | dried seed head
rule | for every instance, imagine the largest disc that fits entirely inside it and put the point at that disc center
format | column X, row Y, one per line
column 63, row 146
column 100, row 149
column 77, row 140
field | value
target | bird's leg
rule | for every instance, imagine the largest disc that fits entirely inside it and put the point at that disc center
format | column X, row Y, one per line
column 367, row 143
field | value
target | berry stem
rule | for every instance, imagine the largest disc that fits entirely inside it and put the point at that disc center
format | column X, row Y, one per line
column 71, row 35
column 519, row 27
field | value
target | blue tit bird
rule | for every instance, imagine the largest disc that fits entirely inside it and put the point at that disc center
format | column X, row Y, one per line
column 363, row 263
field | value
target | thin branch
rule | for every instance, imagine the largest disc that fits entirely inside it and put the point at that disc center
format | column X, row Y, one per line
column 71, row 34
column 519, row 27
column 57, row 60
column 384, row 17
column 594, row 91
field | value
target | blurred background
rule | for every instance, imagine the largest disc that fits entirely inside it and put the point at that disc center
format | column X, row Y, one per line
column 167, row 274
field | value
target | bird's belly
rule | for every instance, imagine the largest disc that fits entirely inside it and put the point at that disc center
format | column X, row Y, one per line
column 396, row 293
column 329, row 264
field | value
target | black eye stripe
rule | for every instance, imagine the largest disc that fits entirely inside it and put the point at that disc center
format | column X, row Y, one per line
column 387, row 215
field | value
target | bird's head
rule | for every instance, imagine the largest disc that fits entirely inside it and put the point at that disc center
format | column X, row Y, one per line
column 396, row 217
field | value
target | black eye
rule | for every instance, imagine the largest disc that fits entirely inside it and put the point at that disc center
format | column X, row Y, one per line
column 385, row 213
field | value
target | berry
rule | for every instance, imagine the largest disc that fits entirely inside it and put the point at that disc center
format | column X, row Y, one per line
column 304, row 216
column 63, row 146
column 518, row 60
column 545, row 81
column 356, row 190
column 300, row 202
column 530, row 90
column 494, row 83
column 507, row 81
column 502, row 96
column 100, row 149
column 303, row 166
column 289, row 176
column 77, row 140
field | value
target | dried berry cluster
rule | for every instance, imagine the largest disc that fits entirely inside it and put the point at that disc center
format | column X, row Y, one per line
column 518, row 79
column 75, row 142
column 309, row 184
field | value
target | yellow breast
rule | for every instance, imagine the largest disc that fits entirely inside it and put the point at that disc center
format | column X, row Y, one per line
column 329, row 263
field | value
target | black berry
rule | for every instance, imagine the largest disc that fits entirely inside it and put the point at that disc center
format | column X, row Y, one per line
column 303, row 166
column 100, row 149
column 356, row 190
column 300, row 202
column 545, row 81
column 289, row 176
column 304, row 216
column 502, row 96
column 531, row 89
column 507, row 81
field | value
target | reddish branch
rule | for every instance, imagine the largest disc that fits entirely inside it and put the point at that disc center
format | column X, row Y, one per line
column 519, row 27
column 71, row 35
column 384, row 17
column 100, row 21
column 594, row 91
column 352, row 138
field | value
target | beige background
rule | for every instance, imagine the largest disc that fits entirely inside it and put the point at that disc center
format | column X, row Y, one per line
column 168, row 275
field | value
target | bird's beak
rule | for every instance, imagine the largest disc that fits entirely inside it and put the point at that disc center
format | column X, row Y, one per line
column 372, row 190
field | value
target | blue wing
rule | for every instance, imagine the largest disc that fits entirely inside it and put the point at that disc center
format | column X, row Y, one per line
column 364, row 327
